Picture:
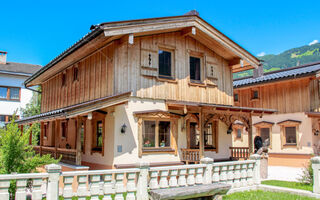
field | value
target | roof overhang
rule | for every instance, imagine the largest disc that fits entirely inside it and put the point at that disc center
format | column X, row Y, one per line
column 192, row 25
column 78, row 109
column 313, row 114
column 254, row 111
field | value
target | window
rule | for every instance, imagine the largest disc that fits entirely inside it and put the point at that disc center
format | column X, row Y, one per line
column 195, row 69
column 156, row 134
column 9, row 93
column 239, row 132
column 3, row 92
column 236, row 97
column 290, row 134
column 64, row 129
column 63, row 79
column 15, row 93
column 99, row 135
column 209, row 136
column 45, row 130
column 265, row 134
column 255, row 94
column 2, row 118
column 75, row 73
column 165, row 65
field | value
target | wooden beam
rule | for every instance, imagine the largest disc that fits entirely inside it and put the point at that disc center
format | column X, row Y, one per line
column 201, row 139
column 30, row 136
column 78, row 141
column 188, row 31
column 57, row 136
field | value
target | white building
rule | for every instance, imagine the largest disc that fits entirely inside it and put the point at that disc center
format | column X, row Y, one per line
column 13, row 94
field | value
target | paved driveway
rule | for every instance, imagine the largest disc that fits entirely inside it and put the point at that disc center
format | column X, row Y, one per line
column 284, row 173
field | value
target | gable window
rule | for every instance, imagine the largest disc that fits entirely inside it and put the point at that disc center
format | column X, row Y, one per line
column 290, row 134
column 165, row 64
column 75, row 73
column 195, row 69
column 64, row 129
column 10, row 93
column 156, row 133
column 63, row 79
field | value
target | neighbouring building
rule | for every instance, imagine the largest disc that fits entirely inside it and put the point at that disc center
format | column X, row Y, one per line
column 13, row 94
column 157, row 90
column 293, row 131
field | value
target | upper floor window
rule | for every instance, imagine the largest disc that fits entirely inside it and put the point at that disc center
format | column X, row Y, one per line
column 195, row 69
column 255, row 94
column 165, row 63
column 236, row 97
column 10, row 93
column 75, row 73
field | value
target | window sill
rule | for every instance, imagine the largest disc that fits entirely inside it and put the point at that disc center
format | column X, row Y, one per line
column 158, row 150
column 96, row 151
column 255, row 99
column 290, row 146
column 14, row 100
column 196, row 83
column 167, row 79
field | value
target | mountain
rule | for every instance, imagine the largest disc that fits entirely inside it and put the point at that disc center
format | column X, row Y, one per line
column 290, row 58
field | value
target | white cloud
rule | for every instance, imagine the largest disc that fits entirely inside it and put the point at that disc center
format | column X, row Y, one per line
column 313, row 42
column 262, row 54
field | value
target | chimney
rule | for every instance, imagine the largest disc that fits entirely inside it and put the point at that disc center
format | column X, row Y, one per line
column 3, row 57
column 258, row 71
column 192, row 12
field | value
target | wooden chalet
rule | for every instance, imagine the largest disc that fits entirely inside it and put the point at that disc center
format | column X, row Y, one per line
column 157, row 90
column 293, row 131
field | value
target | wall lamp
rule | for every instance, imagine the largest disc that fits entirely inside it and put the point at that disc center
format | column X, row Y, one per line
column 229, row 131
column 123, row 128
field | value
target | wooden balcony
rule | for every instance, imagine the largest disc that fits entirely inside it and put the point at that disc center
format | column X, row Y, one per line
column 238, row 153
column 190, row 155
column 68, row 156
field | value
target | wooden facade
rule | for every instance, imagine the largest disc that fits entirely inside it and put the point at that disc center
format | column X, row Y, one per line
column 288, row 96
column 121, row 67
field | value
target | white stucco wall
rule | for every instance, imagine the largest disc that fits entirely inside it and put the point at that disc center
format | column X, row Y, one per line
column 9, row 107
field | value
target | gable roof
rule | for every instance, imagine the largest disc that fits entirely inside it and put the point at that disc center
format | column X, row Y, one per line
column 299, row 71
column 115, row 30
column 21, row 69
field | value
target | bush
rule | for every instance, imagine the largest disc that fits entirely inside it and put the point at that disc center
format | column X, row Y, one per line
column 307, row 174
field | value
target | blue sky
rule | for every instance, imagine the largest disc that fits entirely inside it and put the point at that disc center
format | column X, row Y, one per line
column 37, row 31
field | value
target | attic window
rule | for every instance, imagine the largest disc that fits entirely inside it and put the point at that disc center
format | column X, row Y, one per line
column 75, row 73
column 255, row 94
column 165, row 64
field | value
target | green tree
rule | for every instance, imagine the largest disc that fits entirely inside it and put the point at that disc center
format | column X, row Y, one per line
column 33, row 108
column 16, row 155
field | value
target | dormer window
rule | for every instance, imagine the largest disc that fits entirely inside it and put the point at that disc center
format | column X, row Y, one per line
column 195, row 69
column 165, row 64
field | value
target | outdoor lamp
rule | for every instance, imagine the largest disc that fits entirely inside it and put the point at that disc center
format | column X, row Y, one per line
column 123, row 128
column 316, row 133
column 229, row 131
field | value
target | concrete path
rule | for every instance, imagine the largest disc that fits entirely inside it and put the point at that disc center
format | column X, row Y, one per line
column 284, row 173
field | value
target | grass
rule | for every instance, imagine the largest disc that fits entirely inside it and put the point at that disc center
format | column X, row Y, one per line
column 264, row 195
column 288, row 184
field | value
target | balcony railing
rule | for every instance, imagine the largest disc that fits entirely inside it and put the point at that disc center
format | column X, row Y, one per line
column 239, row 153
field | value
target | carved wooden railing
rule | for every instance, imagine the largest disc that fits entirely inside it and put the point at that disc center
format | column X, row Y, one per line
column 190, row 155
column 239, row 153
column 67, row 155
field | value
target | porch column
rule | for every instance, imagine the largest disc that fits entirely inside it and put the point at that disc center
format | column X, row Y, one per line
column 78, row 141
column 201, row 130
column 250, row 136
column 57, row 137
column 41, row 137
column 21, row 129
column 30, row 136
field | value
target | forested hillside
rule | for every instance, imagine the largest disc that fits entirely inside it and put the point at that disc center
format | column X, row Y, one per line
column 290, row 58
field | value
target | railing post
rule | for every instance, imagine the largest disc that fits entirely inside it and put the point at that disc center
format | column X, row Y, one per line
column 316, row 174
column 256, row 168
column 53, row 181
column 207, row 177
column 142, row 185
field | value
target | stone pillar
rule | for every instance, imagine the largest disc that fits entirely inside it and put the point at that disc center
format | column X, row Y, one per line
column 316, row 174
column 207, row 177
column 53, row 181
column 256, row 168
column 142, row 185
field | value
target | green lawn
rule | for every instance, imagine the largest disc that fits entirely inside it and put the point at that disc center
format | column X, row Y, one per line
column 264, row 195
column 288, row 184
